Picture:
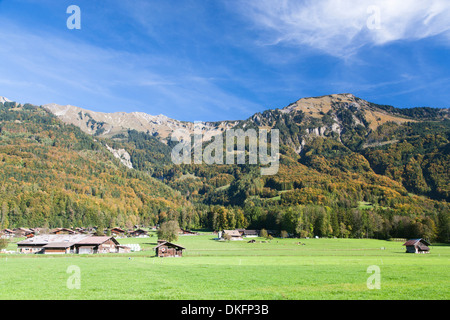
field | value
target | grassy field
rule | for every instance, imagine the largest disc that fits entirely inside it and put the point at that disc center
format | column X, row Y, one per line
column 279, row 269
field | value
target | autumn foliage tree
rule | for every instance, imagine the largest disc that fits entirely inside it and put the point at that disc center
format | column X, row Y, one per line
column 168, row 231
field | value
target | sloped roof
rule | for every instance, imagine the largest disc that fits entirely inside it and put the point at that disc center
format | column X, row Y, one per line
column 96, row 240
column 59, row 245
column 139, row 230
column 233, row 233
column 167, row 243
column 413, row 242
column 52, row 238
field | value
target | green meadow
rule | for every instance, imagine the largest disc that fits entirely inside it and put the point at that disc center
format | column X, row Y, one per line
column 294, row 269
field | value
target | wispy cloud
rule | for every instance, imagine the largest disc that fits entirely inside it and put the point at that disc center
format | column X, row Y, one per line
column 341, row 27
column 47, row 67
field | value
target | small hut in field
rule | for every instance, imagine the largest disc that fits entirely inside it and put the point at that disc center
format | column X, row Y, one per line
column 417, row 246
column 168, row 249
column 231, row 235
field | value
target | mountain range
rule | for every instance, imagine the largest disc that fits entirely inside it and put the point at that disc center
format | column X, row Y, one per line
column 348, row 168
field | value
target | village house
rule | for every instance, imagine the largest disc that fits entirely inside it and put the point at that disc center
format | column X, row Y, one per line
column 138, row 233
column 7, row 233
column 70, row 243
column 168, row 249
column 417, row 246
column 38, row 243
column 22, row 232
column 118, row 232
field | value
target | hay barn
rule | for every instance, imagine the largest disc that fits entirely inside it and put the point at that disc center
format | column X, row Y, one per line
column 168, row 249
column 417, row 246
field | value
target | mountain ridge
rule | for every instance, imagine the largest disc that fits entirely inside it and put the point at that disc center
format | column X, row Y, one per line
column 339, row 174
column 108, row 124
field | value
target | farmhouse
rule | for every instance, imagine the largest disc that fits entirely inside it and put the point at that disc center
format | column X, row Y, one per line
column 53, row 243
column 417, row 246
column 95, row 244
column 168, row 249
column 69, row 243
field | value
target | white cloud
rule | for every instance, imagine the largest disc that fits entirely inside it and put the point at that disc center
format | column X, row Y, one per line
column 340, row 27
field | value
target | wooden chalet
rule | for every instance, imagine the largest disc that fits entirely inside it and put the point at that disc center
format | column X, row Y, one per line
column 139, row 233
column 168, row 249
column 417, row 246
column 97, row 244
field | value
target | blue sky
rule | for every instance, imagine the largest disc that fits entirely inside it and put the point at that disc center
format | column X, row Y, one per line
column 207, row 60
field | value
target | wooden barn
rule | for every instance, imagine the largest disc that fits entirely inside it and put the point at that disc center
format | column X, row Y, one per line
column 250, row 233
column 168, row 249
column 417, row 246
column 59, row 248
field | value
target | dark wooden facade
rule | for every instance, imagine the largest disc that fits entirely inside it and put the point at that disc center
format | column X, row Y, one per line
column 139, row 233
column 417, row 246
column 168, row 249
column 59, row 248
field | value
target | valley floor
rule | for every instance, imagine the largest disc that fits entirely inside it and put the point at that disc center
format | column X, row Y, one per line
column 296, row 269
